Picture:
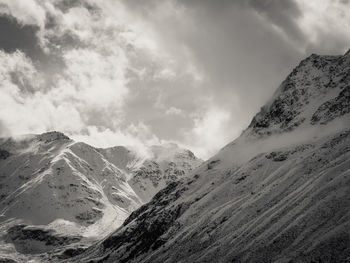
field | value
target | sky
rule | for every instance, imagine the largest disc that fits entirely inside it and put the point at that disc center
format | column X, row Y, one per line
column 139, row 73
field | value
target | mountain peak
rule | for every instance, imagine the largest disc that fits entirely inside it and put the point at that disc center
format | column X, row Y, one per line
column 52, row 136
column 168, row 151
column 315, row 84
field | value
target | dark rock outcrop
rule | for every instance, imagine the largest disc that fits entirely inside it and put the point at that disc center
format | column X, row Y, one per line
column 34, row 240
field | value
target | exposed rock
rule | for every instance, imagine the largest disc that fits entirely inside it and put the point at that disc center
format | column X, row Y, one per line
column 34, row 240
column 4, row 154
column 277, row 156
column 52, row 136
column 7, row 260
column 304, row 89
column 333, row 108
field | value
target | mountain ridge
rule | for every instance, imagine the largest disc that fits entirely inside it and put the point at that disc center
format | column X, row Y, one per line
column 278, row 193
column 55, row 190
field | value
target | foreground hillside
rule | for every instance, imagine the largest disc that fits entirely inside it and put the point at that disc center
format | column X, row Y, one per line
column 278, row 193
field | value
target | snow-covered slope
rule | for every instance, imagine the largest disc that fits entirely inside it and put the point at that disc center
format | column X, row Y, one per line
column 49, row 182
column 49, row 177
column 278, row 193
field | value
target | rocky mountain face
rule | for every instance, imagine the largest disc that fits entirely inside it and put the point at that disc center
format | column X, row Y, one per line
column 317, row 91
column 60, row 187
column 278, row 193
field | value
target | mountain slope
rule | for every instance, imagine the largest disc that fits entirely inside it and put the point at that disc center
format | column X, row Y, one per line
column 48, row 177
column 278, row 193
column 55, row 191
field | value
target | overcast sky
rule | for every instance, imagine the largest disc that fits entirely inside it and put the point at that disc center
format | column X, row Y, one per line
column 142, row 72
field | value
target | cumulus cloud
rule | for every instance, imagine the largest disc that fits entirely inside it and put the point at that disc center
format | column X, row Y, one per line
column 86, row 97
column 27, row 12
column 96, row 80
column 24, row 108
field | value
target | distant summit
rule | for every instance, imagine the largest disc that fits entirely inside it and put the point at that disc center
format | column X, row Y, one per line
column 57, row 184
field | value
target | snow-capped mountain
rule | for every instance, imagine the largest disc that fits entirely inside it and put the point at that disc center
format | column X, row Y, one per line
column 54, row 183
column 168, row 163
column 147, row 175
column 278, row 193
column 316, row 92
column 47, row 177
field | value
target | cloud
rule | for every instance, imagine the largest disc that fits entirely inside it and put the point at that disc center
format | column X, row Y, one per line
column 98, row 81
column 326, row 24
column 138, row 137
column 85, row 98
column 173, row 111
column 165, row 73
column 28, row 12
column 141, row 72
column 283, row 14
column 88, row 83
column 24, row 107
column 210, row 132
column 60, row 108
